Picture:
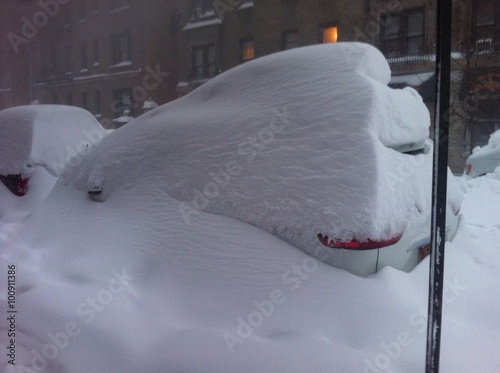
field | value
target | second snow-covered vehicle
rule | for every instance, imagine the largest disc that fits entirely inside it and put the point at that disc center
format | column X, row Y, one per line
column 36, row 142
column 485, row 159
column 309, row 144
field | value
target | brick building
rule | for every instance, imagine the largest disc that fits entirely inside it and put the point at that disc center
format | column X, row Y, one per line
column 219, row 36
column 111, row 56
column 16, row 72
column 115, row 58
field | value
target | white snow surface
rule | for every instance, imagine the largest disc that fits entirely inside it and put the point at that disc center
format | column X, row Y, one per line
column 492, row 146
column 296, row 143
column 44, row 135
column 218, row 295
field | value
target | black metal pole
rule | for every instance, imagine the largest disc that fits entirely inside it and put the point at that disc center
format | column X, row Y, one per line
column 439, row 183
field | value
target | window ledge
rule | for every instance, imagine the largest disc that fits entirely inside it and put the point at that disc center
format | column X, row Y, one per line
column 121, row 64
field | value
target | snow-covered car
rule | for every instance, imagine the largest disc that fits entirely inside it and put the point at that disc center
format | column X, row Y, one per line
column 309, row 144
column 36, row 142
column 484, row 159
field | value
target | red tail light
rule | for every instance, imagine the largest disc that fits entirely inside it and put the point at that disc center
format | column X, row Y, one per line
column 358, row 245
column 16, row 184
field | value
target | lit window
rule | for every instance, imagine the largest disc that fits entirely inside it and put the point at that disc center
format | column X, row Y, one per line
column 248, row 50
column 329, row 34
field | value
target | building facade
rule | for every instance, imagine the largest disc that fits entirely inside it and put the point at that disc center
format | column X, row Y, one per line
column 220, row 35
column 119, row 58
column 115, row 58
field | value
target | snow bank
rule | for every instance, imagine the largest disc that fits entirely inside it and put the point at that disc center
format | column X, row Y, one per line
column 44, row 135
column 296, row 143
column 217, row 295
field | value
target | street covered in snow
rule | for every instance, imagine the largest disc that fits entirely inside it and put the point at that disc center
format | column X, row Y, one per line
column 186, row 240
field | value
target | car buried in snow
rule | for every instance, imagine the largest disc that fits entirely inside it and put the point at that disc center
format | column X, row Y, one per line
column 486, row 159
column 36, row 142
column 309, row 144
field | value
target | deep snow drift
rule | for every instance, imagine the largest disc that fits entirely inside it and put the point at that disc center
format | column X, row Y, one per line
column 128, row 286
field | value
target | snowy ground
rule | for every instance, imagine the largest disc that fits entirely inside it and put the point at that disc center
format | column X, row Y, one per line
column 128, row 286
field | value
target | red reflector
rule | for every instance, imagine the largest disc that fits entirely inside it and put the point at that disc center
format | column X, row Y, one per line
column 358, row 245
column 16, row 184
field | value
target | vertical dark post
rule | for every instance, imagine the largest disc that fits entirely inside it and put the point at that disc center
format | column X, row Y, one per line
column 439, row 183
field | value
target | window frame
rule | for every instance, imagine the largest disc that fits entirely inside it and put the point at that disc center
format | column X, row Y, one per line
column 326, row 26
column 403, row 34
column 284, row 36
column 248, row 41
column 117, row 50
column 205, row 65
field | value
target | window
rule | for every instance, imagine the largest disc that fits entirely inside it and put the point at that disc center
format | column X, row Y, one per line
column 94, row 6
column 329, row 34
column 54, row 99
column 403, row 34
column 204, row 61
column 290, row 39
column 123, row 103
column 97, row 102
column 69, row 99
column 84, row 62
column 121, row 48
column 484, row 22
column 247, row 49
column 67, row 58
column 95, row 47
column 83, row 9
column 85, row 101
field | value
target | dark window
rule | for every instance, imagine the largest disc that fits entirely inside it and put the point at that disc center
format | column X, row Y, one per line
column 67, row 58
column 97, row 102
column 83, row 9
column 403, row 34
column 484, row 24
column 85, row 101
column 204, row 61
column 84, row 62
column 69, row 99
column 290, row 39
column 54, row 99
column 121, row 47
column 123, row 103
column 95, row 47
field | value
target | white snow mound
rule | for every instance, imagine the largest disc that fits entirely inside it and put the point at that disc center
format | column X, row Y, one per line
column 296, row 143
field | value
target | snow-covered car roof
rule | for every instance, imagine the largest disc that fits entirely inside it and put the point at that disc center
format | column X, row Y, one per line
column 297, row 143
column 44, row 135
column 484, row 159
